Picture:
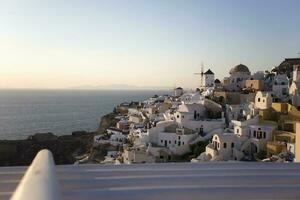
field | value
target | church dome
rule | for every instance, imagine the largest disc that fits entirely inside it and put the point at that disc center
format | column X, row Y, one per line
column 239, row 69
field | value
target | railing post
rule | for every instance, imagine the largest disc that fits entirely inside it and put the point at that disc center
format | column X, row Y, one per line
column 40, row 181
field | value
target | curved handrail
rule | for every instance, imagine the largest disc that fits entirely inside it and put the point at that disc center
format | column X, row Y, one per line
column 40, row 181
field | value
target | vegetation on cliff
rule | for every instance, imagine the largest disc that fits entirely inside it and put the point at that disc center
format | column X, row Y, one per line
column 64, row 148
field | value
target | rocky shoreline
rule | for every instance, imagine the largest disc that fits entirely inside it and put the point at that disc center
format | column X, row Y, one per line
column 66, row 149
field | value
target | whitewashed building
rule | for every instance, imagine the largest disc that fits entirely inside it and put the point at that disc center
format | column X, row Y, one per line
column 280, row 87
column 208, row 79
column 294, row 90
column 238, row 76
column 246, row 139
column 263, row 100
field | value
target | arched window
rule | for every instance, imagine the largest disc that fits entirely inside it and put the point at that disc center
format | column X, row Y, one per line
column 224, row 145
column 232, row 145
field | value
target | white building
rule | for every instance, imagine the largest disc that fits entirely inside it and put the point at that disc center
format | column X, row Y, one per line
column 137, row 155
column 208, row 79
column 172, row 136
column 280, row 87
column 238, row 76
column 296, row 73
column 259, row 75
column 247, row 139
column 240, row 111
column 188, row 112
column 263, row 100
column 294, row 90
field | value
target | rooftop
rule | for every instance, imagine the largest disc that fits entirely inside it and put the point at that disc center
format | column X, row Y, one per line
column 208, row 72
column 240, row 69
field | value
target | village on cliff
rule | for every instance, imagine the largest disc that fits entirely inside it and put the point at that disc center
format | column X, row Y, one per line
column 244, row 117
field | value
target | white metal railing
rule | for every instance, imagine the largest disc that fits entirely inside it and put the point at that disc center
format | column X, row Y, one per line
column 40, row 180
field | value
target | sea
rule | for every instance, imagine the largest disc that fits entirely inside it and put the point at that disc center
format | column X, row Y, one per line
column 26, row 112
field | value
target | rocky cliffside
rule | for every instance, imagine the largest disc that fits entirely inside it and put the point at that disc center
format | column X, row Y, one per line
column 64, row 148
column 107, row 121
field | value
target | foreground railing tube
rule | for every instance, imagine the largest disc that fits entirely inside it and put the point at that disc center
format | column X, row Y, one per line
column 40, row 181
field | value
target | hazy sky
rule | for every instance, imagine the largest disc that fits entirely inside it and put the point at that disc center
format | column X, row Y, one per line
column 59, row 44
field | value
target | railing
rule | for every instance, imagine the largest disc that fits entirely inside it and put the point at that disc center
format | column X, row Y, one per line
column 40, row 181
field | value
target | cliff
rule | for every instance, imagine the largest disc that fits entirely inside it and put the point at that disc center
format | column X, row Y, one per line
column 107, row 121
column 64, row 148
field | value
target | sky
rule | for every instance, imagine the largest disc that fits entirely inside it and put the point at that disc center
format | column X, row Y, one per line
column 153, row 43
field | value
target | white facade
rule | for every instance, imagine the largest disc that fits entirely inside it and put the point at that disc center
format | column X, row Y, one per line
column 188, row 112
column 281, row 86
column 294, row 92
column 296, row 73
column 208, row 79
column 137, row 155
column 238, row 76
column 240, row 111
column 177, row 143
column 263, row 100
column 168, row 134
column 247, row 138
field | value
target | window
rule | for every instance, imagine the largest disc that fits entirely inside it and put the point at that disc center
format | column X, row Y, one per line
column 178, row 137
column 218, row 145
column 161, row 141
column 175, row 142
column 179, row 143
column 232, row 145
column 177, row 116
column 259, row 135
column 263, row 100
column 169, row 141
column 264, row 135
column 224, row 145
column 182, row 143
column 238, row 130
column 258, row 99
column 254, row 133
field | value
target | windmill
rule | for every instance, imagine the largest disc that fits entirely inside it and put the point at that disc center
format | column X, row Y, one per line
column 201, row 75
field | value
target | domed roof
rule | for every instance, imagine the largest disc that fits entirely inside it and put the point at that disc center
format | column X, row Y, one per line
column 239, row 68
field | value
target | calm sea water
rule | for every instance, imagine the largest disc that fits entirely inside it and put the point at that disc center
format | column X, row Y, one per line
column 25, row 112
